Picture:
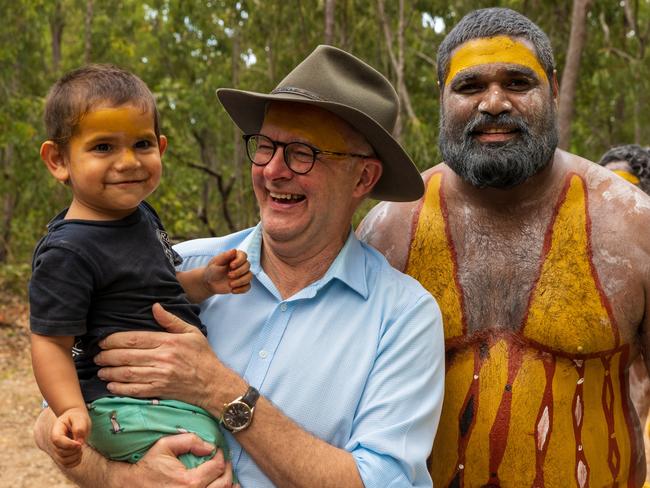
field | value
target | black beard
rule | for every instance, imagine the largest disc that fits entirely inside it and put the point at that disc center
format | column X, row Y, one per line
column 499, row 165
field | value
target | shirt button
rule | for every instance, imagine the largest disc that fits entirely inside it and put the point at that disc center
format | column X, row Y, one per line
column 283, row 307
column 263, row 354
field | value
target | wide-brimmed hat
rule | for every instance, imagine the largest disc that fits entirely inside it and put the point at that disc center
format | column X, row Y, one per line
column 349, row 88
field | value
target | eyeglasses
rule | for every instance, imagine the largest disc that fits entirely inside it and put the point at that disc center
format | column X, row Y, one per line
column 298, row 156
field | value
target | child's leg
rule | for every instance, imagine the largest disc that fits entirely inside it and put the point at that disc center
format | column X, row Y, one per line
column 125, row 428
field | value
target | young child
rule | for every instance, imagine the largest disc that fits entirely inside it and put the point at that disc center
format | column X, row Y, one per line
column 103, row 264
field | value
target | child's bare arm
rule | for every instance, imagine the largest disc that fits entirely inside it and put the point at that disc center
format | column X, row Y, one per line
column 228, row 272
column 57, row 379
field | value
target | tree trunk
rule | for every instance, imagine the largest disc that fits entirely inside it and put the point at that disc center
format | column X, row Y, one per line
column 238, row 152
column 397, row 62
column 635, row 65
column 88, row 31
column 9, row 201
column 57, row 22
column 571, row 70
column 330, row 6
column 211, row 168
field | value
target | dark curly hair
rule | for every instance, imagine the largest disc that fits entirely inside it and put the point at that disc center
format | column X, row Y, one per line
column 636, row 156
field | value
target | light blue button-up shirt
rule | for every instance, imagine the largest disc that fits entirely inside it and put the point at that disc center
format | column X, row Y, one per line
column 356, row 358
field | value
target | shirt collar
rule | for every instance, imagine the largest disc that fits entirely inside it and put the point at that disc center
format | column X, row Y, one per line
column 349, row 266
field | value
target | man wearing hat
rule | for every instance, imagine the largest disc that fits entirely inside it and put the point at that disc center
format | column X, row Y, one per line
column 329, row 372
column 540, row 262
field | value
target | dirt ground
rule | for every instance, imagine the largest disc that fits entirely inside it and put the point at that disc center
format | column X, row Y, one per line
column 22, row 464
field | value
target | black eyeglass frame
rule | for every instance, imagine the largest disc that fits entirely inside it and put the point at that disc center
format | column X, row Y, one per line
column 316, row 152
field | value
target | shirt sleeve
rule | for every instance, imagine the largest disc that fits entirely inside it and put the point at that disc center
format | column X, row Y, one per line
column 398, row 414
column 60, row 293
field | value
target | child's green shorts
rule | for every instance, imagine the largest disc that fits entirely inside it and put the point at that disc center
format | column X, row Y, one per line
column 125, row 428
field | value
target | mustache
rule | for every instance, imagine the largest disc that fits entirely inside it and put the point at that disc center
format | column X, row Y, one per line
column 484, row 121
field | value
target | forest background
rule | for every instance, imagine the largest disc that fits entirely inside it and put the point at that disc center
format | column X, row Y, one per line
column 185, row 50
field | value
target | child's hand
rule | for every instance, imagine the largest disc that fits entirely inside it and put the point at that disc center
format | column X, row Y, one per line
column 68, row 434
column 228, row 272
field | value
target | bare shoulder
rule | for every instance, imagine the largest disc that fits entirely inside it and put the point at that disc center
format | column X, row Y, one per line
column 388, row 227
column 619, row 215
column 613, row 198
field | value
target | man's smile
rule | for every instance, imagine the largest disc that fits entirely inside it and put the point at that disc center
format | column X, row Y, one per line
column 494, row 133
column 286, row 197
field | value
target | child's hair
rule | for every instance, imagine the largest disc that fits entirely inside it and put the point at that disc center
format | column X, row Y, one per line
column 77, row 92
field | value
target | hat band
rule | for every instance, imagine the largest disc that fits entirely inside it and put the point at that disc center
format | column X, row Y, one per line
column 297, row 91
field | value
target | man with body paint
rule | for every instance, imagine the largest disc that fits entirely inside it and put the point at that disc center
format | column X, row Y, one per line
column 540, row 262
column 337, row 345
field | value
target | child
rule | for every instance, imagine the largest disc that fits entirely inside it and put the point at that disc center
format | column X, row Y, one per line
column 103, row 264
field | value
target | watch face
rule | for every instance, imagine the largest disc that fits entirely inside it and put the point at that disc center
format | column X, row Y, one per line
column 237, row 415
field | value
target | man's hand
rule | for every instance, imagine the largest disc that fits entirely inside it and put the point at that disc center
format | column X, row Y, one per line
column 228, row 272
column 177, row 364
column 68, row 435
column 160, row 467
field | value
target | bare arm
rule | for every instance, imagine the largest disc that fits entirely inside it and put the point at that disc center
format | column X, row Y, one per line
column 159, row 468
column 55, row 372
column 228, row 272
column 57, row 379
column 283, row 450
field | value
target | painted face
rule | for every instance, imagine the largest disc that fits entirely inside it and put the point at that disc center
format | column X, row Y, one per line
column 113, row 162
column 624, row 170
column 498, row 121
column 312, row 210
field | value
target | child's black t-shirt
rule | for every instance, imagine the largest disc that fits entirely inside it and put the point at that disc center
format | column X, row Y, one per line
column 94, row 278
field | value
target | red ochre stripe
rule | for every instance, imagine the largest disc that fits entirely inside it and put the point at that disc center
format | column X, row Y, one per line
column 501, row 425
column 623, row 381
column 577, row 426
column 547, row 402
column 452, row 250
column 603, row 298
column 546, row 248
column 613, row 455
column 414, row 223
column 463, row 440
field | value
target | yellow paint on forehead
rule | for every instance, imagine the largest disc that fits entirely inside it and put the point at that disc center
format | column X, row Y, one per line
column 626, row 175
column 318, row 127
column 126, row 119
column 498, row 49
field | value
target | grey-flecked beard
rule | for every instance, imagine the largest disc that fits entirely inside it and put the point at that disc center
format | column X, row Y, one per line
column 499, row 165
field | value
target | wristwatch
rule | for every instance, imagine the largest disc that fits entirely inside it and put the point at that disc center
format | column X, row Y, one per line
column 238, row 414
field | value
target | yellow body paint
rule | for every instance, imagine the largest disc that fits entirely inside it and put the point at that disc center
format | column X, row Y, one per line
column 438, row 279
column 497, row 49
column 568, row 262
column 626, row 175
column 542, row 405
column 315, row 126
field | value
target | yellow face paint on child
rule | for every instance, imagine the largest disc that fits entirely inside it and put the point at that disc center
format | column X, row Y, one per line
column 498, row 49
column 626, row 175
column 318, row 127
column 129, row 120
